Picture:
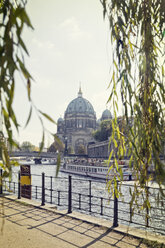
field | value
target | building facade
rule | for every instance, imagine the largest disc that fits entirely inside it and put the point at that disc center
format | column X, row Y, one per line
column 99, row 149
column 75, row 130
column 78, row 124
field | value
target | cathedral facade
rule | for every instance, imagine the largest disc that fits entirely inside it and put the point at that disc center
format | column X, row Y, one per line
column 75, row 130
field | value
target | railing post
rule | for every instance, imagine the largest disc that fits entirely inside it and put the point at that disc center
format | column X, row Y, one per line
column 9, row 186
column 19, row 185
column 69, row 194
column 1, row 189
column 36, row 191
column 43, row 189
column 90, row 195
column 79, row 201
column 130, row 178
column 147, row 209
column 51, row 189
column 58, row 198
column 101, row 206
column 130, row 211
column 115, row 213
column 147, row 217
column 14, row 187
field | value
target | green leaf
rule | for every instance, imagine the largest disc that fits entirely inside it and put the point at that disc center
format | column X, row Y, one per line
column 42, row 142
column 23, row 69
column 23, row 45
column 29, row 88
column 58, row 164
column 163, row 34
column 29, row 117
column 24, row 18
column 48, row 117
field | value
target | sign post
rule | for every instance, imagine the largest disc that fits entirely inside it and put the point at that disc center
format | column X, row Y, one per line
column 25, row 181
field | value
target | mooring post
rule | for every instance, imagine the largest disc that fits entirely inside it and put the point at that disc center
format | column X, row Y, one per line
column 69, row 194
column 115, row 214
column 19, row 185
column 43, row 189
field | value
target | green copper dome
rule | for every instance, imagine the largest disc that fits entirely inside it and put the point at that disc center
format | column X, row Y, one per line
column 80, row 105
column 106, row 115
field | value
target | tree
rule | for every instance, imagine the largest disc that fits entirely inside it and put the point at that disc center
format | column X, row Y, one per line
column 81, row 149
column 71, row 150
column 27, row 146
column 57, row 145
column 138, row 40
column 104, row 131
column 12, row 50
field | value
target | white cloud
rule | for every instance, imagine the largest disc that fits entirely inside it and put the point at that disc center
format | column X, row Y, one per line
column 73, row 30
column 99, row 101
column 43, row 44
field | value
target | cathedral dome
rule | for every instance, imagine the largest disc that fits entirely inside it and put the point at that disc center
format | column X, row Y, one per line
column 106, row 115
column 60, row 120
column 80, row 106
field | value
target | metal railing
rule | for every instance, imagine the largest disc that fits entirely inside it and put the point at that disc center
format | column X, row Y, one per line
column 80, row 195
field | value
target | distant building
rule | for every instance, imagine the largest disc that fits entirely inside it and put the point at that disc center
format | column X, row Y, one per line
column 99, row 149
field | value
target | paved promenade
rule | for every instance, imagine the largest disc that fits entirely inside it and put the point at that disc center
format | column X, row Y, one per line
column 27, row 226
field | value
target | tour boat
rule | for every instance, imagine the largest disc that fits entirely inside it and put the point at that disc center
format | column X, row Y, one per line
column 97, row 169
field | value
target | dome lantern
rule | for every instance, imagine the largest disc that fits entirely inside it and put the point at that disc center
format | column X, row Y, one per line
column 80, row 92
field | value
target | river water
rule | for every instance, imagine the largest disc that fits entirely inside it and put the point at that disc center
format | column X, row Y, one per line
column 81, row 190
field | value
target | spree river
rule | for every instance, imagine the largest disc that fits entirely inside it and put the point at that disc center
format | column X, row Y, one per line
column 92, row 197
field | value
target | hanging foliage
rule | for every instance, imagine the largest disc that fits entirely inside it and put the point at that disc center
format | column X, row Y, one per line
column 13, row 19
column 138, row 39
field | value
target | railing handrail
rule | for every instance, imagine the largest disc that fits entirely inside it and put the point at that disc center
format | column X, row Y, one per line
column 76, row 200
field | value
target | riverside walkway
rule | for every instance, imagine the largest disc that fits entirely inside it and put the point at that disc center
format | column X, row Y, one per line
column 25, row 224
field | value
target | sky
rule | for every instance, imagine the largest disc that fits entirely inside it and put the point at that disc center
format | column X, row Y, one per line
column 70, row 44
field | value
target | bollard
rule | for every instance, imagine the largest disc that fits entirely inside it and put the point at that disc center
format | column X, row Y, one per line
column 115, row 214
column 1, row 189
column 43, row 190
column 19, row 185
column 69, row 194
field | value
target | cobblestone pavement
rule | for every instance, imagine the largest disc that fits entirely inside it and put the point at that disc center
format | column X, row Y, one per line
column 25, row 226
